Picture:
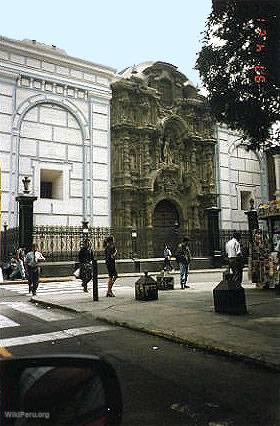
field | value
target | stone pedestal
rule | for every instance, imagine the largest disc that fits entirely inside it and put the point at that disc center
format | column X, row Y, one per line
column 165, row 282
column 229, row 299
column 252, row 217
column 146, row 288
column 25, row 220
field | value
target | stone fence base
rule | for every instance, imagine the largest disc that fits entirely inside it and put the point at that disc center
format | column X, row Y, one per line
column 62, row 269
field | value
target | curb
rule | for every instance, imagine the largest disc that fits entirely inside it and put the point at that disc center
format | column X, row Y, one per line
column 193, row 344
column 54, row 305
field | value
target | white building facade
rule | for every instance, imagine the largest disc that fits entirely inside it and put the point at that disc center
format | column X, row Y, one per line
column 241, row 175
column 54, row 129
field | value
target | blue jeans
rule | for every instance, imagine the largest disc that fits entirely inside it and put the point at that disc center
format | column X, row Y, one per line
column 184, row 272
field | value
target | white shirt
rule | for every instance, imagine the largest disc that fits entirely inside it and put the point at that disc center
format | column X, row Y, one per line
column 167, row 252
column 233, row 248
column 30, row 257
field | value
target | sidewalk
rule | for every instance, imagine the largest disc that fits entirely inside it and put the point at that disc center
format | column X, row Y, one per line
column 187, row 316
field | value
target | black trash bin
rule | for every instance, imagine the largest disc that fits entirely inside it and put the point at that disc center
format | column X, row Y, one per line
column 146, row 288
column 165, row 282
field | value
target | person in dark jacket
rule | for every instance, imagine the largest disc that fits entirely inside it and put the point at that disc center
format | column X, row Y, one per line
column 183, row 257
column 32, row 262
column 86, row 257
column 110, row 259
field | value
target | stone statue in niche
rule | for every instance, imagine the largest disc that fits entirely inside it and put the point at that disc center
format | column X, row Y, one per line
column 210, row 170
column 145, row 113
column 166, row 151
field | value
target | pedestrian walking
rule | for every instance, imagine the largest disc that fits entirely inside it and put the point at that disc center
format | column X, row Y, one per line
column 86, row 257
column 110, row 259
column 235, row 259
column 183, row 258
column 167, row 256
column 32, row 262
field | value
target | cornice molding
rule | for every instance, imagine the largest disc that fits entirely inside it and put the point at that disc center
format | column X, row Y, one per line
column 53, row 56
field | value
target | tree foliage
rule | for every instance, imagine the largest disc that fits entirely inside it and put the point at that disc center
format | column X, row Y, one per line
column 227, row 64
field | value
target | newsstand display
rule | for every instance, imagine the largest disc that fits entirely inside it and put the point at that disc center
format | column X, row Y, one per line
column 266, row 247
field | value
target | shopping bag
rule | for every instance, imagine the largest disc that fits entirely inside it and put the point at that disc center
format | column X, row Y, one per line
column 77, row 273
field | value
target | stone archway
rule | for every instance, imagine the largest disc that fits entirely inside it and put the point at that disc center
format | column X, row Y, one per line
column 166, row 223
column 50, row 137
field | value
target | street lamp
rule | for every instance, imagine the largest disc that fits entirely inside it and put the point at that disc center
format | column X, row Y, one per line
column 134, row 254
column 133, row 238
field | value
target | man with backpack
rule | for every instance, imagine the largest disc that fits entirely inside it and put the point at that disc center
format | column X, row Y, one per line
column 32, row 262
column 183, row 258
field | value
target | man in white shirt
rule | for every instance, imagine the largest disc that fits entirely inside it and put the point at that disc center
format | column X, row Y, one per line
column 235, row 260
column 32, row 260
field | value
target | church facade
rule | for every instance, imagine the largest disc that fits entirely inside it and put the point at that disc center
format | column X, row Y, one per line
column 137, row 150
column 163, row 155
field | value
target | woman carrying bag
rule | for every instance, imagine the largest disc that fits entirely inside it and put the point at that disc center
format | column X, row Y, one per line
column 86, row 257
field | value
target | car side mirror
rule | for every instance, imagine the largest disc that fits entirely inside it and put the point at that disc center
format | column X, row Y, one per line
column 59, row 390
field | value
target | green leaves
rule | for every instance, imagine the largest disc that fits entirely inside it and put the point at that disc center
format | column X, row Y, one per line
column 239, row 64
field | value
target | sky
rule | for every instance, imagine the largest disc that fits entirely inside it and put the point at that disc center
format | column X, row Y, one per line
column 116, row 33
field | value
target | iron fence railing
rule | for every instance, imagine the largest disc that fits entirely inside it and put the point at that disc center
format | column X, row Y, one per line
column 62, row 243
column 9, row 238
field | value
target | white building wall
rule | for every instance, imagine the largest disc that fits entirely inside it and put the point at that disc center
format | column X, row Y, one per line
column 54, row 116
column 240, row 172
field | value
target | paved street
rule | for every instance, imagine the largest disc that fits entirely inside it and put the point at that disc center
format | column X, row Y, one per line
column 163, row 383
column 182, row 316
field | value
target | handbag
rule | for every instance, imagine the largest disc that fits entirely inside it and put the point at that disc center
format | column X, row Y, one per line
column 77, row 273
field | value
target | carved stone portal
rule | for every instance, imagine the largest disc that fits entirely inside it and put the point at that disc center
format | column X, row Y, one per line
column 162, row 155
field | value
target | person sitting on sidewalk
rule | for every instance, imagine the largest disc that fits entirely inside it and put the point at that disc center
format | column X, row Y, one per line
column 19, row 270
column 32, row 262
column 183, row 258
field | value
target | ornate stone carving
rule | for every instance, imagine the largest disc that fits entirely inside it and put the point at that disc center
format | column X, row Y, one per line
column 163, row 134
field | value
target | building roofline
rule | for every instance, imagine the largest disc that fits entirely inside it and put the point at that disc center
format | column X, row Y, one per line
column 54, row 54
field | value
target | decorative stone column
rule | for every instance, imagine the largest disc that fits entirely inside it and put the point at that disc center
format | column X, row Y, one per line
column 25, row 202
column 276, row 159
column 149, row 225
column 214, row 236
column 253, row 224
column 126, row 161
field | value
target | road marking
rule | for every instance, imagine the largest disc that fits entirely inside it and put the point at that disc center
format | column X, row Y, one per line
column 57, row 287
column 57, row 335
column 7, row 322
column 42, row 313
column 4, row 353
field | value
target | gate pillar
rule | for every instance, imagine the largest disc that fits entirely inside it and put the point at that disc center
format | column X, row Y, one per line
column 214, row 236
column 26, row 202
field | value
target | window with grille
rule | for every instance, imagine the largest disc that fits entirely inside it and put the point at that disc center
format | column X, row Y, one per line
column 46, row 190
column 51, row 184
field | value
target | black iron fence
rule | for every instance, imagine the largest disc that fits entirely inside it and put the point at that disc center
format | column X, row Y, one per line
column 9, row 238
column 62, row 243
